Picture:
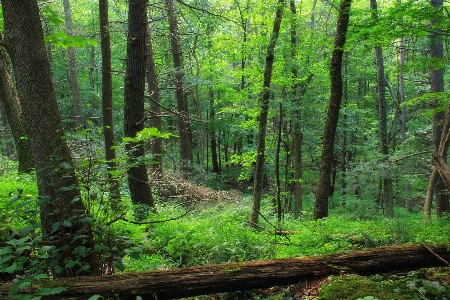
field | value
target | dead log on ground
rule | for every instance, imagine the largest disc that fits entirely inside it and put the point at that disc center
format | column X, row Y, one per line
column 204, row 280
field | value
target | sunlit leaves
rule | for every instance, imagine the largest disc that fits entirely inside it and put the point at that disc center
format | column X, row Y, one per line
column 63, row 40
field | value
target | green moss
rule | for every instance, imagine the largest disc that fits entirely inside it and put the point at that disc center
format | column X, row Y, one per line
column 358, row 287
column 231, row 268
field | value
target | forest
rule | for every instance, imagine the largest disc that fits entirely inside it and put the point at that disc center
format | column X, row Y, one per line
column 235, row 149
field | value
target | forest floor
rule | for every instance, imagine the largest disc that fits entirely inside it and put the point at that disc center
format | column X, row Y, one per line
column 425, row 284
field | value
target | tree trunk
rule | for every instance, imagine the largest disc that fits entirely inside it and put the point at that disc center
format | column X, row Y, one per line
column 323, row 186
column 13, row 113
column 138, row 180
column 214, row 156
column 59, row 195
column 403, row 118
column 205, row 280
column 77, row 112
column 156, row 120
column 382, row 117
column 296, row 122
column 107, row 104
column 258, row 175
column 437, row 86
column 186, row 157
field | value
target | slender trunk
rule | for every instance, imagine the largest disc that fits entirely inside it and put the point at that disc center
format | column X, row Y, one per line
column 107, row 104
column 382, row 117
column 214, row 159
column 437, row 86
column 258, row 175
column 186, row 157
column 13, row 112
column 277, row 163
column 77, row 113
column 403, row 118
column 156, row 120
column 323, row 185
column 138, row 180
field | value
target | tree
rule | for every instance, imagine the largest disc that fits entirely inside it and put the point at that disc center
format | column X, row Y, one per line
column 382, row 117
column 77, row 112
column 13, row 111
column 323, row 185
column 264, row 110
column 436, row 185
column 138, row 180
column 62, row 210
column 107, row 103
column 186, row 156
column 156, row 120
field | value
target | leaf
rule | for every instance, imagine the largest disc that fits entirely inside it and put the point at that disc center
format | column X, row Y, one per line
column 71, row 263
column 56, row 226
column 83, row 268
column 95, row 297
column 119, row 266
column 4, row 251
column 50, row 291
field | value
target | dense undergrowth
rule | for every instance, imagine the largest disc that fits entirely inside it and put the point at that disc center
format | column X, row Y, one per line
column 218, row 231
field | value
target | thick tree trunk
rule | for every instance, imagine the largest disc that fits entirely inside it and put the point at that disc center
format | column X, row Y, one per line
column 138, row 181
column 107, row 103
column 77, row 112
column 264, row 104
column 231, row 277
column 323, row 185
column 156, row 120
column 186, row 156
column 13, row 113
column 59, row 194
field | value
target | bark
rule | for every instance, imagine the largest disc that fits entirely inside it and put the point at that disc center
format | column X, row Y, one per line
column 77, row 112
column 403, row 118
column 437, row 86
column 296, row 122
column 138, row 180
column 323, row 186
column 204, row 280
column 156, row 119
column 59, row 193
column 277, row 164
column 107, row 103
column 382, row 118
column 264, row 103
column 186, row 156
column 13, row 112
column 214, row 156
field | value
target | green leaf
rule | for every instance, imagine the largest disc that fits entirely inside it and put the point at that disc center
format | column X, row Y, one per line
column 71, row 263
column 95, row 297
column 4, row 251
column 50, row 291
column 119, row 266
column 56, row 226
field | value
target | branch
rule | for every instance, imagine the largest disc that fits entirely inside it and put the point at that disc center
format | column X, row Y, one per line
column 172, row 111
column 435, row 254
column 206, row 11
column 410, row 155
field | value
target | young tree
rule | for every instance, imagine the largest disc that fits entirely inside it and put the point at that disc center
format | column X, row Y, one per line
column 107, row 102
column 77, row 112
column 186, row 156
column 323, row 185
column 382, row 117
column 156, row 120
column 138, row 181
column 264, row 104
column 61, row 205
column 13, row 111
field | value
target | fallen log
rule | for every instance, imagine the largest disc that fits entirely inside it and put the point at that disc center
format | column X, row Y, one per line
column 204, row 280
